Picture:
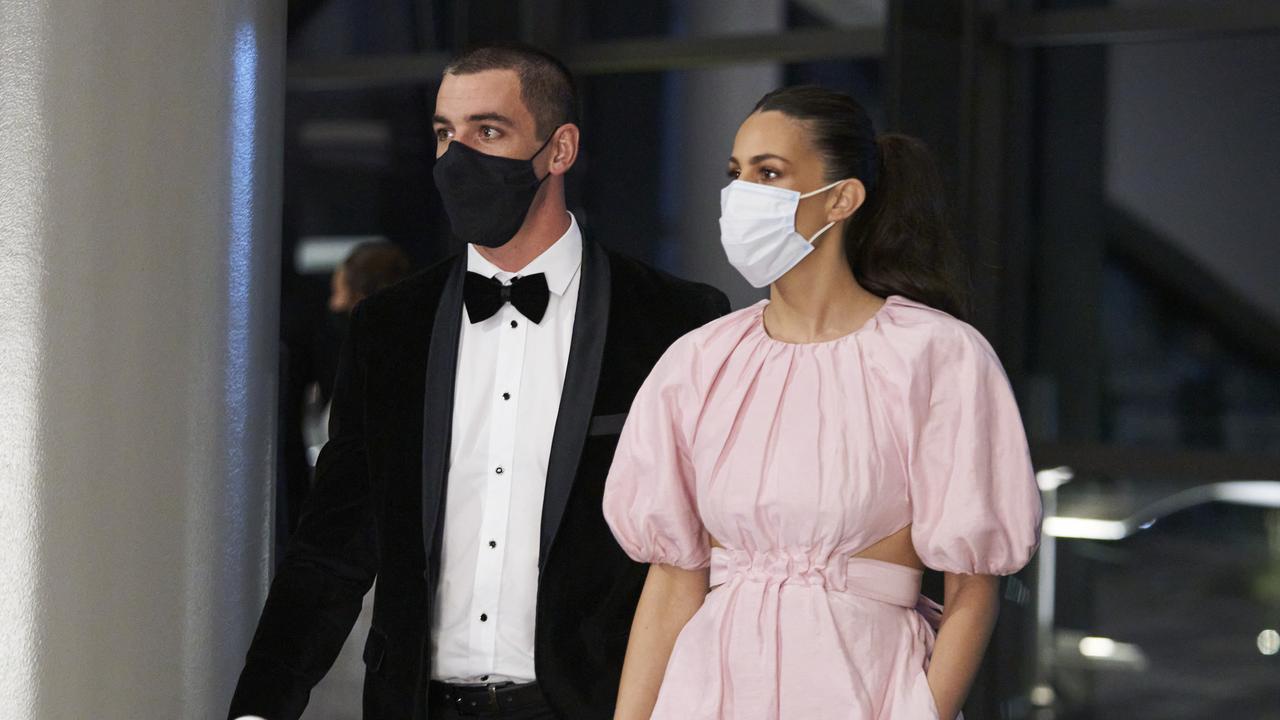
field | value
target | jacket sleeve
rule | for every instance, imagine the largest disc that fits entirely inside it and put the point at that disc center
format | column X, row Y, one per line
column 715, row 305
column 331, row 562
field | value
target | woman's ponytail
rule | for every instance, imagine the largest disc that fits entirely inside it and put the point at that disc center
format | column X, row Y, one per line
column 900, row 240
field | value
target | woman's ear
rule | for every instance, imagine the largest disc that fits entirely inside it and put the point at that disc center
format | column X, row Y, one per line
column 564, row 149
column 846, row 198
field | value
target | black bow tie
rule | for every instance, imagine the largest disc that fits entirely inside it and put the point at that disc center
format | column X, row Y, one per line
column 484, row 296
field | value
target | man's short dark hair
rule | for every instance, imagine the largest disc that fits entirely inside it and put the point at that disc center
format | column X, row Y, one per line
column 546, row 86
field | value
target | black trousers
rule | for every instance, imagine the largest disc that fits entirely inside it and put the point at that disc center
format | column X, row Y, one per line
column 538, row 711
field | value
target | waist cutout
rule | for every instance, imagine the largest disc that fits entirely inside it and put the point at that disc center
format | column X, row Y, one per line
column 873, row 579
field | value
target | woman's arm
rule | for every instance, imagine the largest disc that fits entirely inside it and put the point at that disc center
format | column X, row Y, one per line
column 670, row 597
column 972, row 604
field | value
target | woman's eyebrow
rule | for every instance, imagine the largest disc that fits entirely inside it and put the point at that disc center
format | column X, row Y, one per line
column 757, row 159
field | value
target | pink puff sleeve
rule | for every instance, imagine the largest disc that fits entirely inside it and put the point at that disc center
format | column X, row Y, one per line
column 975, row 504
column 650, row 500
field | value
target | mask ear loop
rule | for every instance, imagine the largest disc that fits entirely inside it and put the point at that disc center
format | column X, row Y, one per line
column 829, row 225
column 545, row 143
column 811, row 193
column 818, row 234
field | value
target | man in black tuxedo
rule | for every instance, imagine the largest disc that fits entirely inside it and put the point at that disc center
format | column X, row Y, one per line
column 474, row 419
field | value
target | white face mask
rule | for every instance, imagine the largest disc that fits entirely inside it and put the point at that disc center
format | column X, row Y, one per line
column 758, row 230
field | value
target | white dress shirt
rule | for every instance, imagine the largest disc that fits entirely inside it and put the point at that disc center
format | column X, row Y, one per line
column 506, row 399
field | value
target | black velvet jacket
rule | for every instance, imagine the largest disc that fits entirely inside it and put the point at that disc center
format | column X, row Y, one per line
column 379, row 496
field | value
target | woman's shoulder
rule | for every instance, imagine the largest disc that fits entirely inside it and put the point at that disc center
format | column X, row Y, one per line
column 920, row 332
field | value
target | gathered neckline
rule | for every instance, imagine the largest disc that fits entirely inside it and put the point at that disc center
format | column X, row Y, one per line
column 870, row 322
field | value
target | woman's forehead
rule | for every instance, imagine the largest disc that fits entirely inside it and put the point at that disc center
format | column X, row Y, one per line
column 772, row 133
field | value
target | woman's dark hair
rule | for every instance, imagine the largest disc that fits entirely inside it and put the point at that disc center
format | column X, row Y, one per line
column 372, row 266
column 899, row 242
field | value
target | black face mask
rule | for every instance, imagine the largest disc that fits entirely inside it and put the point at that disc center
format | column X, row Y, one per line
column 485, row 196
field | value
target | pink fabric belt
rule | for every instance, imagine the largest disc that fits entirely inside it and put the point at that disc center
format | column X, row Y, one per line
column 873, row 579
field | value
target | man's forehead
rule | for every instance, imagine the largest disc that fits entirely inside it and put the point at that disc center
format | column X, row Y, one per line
column 489, row 91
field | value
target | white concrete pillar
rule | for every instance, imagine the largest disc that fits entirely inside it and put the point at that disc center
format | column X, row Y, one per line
column 707, row 107
column 139, row 255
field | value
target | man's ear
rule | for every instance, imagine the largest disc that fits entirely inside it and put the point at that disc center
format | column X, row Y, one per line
column 846, row 198
column 563, row 149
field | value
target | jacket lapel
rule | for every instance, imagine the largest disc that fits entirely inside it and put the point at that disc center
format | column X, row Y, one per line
column 581, row 377
column 437, row 407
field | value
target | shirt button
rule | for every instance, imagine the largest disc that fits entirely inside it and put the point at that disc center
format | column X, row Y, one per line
column 506, row 396
column 514, row 323
column 484, row 617
column 493, row 543
column 498, row 470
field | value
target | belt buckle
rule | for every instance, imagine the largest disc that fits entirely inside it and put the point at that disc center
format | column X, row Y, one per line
column 493, row 696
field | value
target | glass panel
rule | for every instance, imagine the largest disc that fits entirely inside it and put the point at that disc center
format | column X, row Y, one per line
column 1159, row 310
column 1178, row 618
column 1191, row 182
column 334, row 28
column 630, row 19
column 1157, row 325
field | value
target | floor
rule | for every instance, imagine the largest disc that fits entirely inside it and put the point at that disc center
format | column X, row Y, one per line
column 337, row 697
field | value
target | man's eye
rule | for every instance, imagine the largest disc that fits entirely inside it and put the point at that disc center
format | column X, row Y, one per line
column 489, row 133
column 443, row 134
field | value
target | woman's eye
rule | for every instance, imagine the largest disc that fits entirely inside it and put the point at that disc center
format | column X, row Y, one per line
column 733, row 173
column 768, row 174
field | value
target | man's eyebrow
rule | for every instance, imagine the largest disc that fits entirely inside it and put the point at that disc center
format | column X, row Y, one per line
column 440, row 120
column 491, row 117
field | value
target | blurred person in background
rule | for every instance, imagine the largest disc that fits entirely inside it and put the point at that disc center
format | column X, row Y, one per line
column 311, row 336
column 370, row 267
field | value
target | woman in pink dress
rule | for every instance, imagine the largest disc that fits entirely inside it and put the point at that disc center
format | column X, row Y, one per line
column 790, row 469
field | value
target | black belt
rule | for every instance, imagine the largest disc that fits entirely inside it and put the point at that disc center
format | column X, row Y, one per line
column 485, row 699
